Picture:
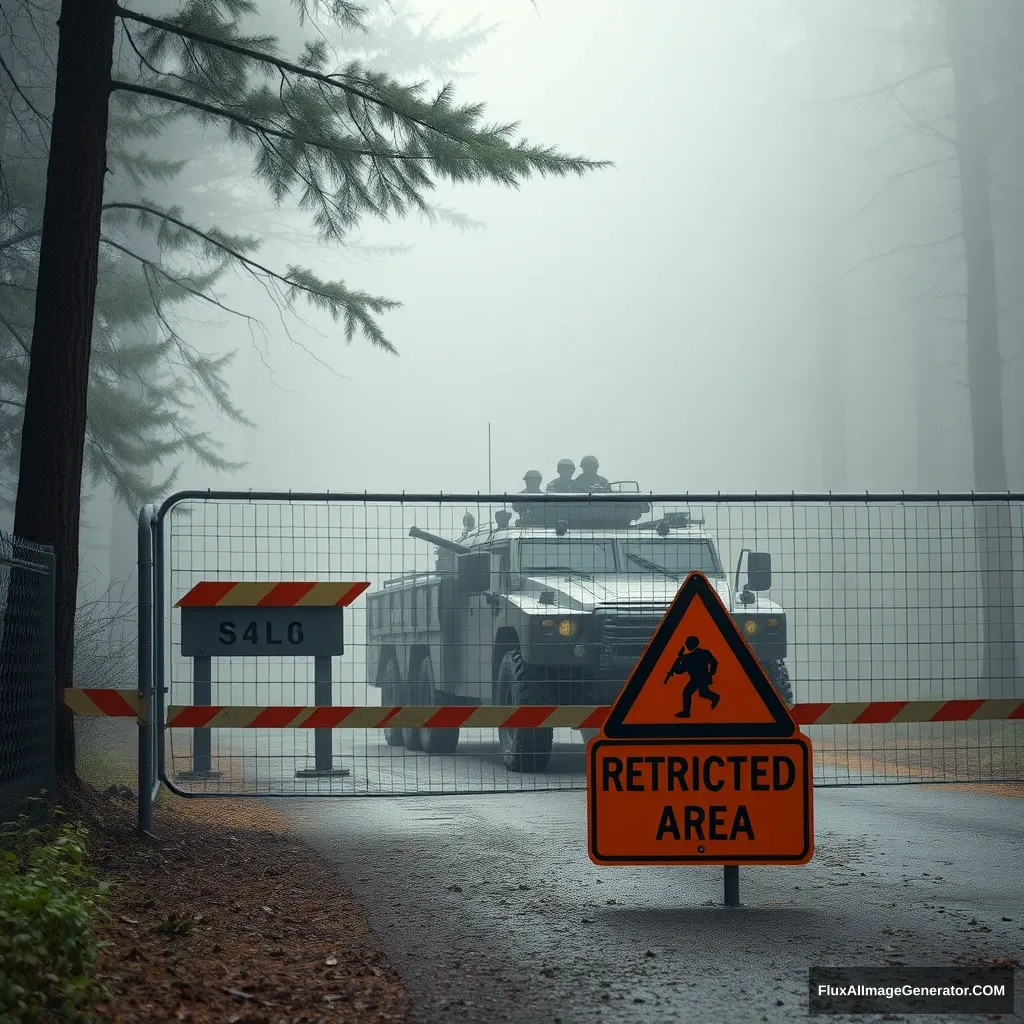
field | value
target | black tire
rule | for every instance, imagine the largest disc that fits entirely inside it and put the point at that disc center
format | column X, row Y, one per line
column 522, row 750
column 392, row 684
column 411, row 739
column 778, row 675
column 433, row 741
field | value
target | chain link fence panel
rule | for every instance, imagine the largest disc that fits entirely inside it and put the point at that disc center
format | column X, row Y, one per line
column 27, row 684
column 892, row 598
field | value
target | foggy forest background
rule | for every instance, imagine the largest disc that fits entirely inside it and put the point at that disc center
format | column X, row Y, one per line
column 802, row 272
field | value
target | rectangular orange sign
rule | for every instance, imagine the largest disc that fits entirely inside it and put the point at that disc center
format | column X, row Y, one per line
column 700, row 801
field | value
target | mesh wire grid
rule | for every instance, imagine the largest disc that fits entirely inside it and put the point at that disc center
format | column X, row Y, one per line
column 884, row 599
column 26, row 674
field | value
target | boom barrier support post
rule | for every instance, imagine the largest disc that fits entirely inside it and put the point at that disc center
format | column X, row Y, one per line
column 323, row 739
column 202, row 696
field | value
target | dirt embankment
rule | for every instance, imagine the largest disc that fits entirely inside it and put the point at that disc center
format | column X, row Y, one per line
column 226, row 917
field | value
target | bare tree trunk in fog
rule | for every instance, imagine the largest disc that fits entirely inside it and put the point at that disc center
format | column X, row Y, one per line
column 828, row 320
column 993, row 527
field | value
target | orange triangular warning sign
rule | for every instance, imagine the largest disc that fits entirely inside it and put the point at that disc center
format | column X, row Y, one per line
column 698, row 678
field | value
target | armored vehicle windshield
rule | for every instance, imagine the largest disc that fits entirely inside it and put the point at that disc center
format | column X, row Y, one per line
column 677, row 556
column 568, row 555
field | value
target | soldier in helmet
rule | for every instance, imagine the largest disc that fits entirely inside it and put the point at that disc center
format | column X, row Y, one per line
column 532, row 481
column 563, row 482
column 588, row 480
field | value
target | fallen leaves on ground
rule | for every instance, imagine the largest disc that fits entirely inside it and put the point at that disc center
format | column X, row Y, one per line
column 227, row 917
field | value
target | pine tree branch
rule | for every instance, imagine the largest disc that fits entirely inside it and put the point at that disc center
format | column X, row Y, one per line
column 898, row 176
column 261, row 129
column 216, row 395
column 183, row 285
column 122, row 480
column 14, row 334
column 17, row 88
column 214, row 111
column 250, row 264
column 144, row 60
column 904, row 248
column 889, row 87
column 334, row 81
column 23, row 236
column 924, row 126
column 312, row 187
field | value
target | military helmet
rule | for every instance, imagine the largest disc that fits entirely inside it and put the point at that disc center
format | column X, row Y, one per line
column 533, row 474
column 567, row 464
column 589, row 462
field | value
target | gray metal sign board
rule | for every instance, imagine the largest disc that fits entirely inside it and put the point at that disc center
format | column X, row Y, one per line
column 224, row 632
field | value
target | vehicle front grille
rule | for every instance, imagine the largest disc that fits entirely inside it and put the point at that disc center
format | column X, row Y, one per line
column 625, row 633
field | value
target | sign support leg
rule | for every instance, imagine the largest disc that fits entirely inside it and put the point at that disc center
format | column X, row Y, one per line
column 202, row 696
column 732, row 885
column 323, row 739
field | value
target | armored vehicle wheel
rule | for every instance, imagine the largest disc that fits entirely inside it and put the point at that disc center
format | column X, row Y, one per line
column 778, row 675
column 392, row 681
column 522, row 750
column 433, row 741
column 411, row 739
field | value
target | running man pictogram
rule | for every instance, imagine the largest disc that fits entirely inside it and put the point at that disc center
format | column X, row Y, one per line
column 700, row 665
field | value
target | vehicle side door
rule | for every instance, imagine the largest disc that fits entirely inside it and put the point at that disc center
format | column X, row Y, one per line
column 483, row 622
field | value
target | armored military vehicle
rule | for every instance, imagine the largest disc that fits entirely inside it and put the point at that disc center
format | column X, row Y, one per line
column 553, row 609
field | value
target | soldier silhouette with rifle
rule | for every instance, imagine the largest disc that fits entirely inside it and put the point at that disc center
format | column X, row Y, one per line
column 700, row 665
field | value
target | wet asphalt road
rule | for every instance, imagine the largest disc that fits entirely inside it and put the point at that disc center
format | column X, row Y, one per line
column 490, row 909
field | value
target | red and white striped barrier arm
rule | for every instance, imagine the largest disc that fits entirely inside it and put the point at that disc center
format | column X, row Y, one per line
column 126, row 704
column 273, row 594
column 564, row 716
column 883, row 712
column 101, row 703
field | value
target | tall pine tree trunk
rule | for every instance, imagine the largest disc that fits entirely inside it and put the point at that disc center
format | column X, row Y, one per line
column 53, row 434
column 984, row 363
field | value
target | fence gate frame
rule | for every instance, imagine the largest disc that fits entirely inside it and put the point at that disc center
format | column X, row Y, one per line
column 149, row 703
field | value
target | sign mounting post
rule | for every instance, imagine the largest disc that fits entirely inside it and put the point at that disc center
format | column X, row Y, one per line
column 699, row 761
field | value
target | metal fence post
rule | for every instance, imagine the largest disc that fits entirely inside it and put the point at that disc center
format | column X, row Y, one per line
column 147, row 775
column 159, row 643
column 323, row 739
column 49, row 654
column 29, row 704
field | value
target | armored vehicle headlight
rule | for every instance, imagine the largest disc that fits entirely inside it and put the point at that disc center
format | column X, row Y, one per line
column 750, row 627
column 547, row 623
column 567, row 628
